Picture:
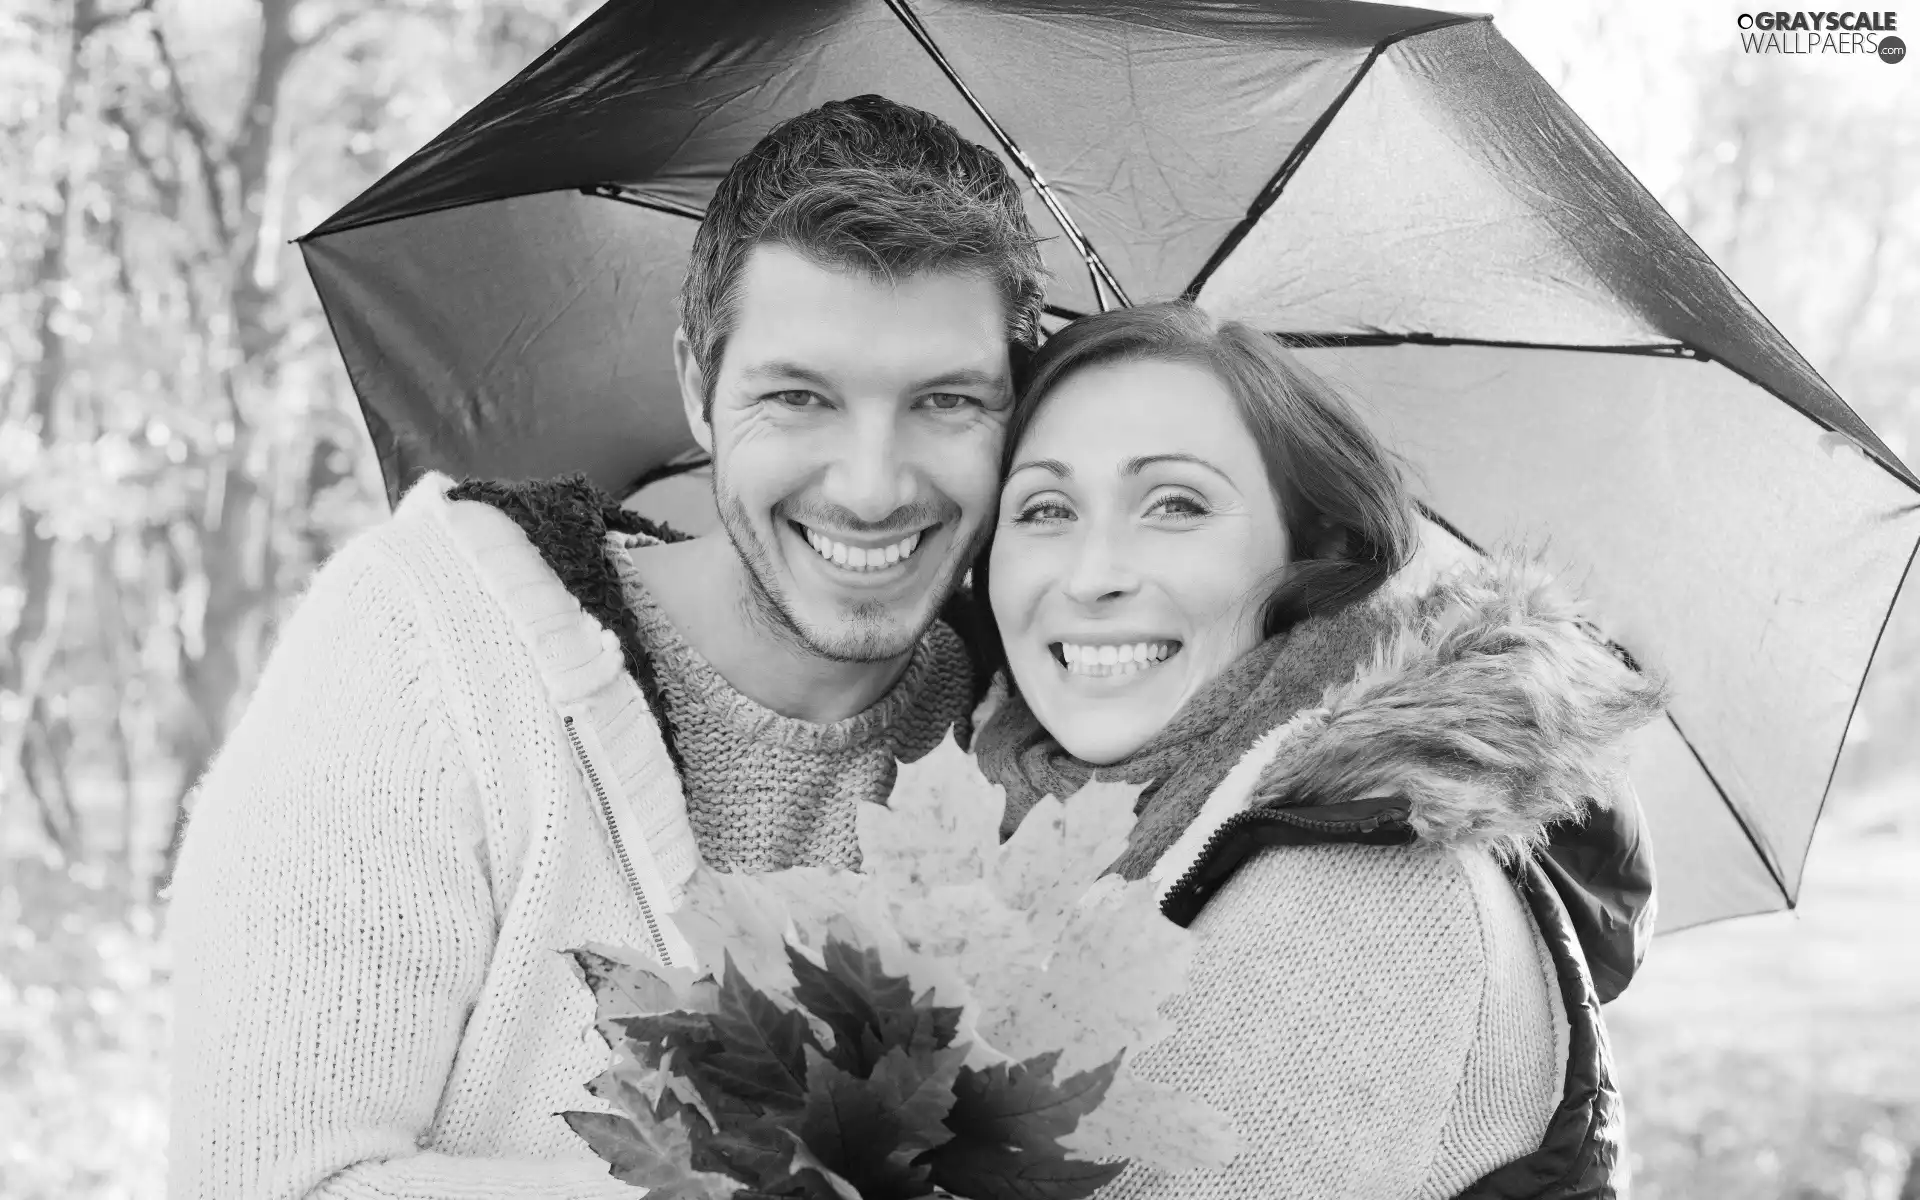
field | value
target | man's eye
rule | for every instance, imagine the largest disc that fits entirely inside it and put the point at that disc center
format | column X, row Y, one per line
column 948, row 401
column 794, row 399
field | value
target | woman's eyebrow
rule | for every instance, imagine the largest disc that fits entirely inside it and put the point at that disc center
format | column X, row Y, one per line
column 1045, row 464
column 1136, row 465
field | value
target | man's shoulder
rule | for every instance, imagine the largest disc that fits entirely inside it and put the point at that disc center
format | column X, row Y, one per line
column 566, row 507
column 448, row 543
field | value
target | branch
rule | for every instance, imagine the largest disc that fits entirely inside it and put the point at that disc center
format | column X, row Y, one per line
column 205, row 154
column 91, row 19
column 166, row 189
column 341, row 21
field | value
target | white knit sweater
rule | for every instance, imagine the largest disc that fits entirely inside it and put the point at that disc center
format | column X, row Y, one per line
column 384, row 865
column 1380, row 1023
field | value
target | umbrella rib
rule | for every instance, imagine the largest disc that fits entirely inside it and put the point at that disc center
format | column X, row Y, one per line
column 1886, row 620
column 1265, row 198
column 1739, row 818
column 1096, row 265
column 1316, row 341
column 625, row 195
column 668, row 470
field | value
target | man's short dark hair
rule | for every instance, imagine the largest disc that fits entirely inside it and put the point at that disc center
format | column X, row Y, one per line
column 869, row 185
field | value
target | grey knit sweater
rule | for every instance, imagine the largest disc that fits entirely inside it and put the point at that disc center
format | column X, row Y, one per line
column 765, row 791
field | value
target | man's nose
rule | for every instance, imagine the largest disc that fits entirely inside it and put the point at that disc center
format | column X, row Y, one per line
column 869, row 476
column 1100, row 569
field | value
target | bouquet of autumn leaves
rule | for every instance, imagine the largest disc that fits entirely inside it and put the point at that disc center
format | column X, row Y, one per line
column 954, row 1020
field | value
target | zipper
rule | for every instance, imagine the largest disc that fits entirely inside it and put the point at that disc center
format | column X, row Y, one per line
column 1362, row 822
column 619, row 844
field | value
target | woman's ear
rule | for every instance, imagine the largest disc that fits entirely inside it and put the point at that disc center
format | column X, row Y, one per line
column 1330, row 541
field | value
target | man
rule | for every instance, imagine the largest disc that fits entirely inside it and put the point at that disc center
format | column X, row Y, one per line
column 512, row 719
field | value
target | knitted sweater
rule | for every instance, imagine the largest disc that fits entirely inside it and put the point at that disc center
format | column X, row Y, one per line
column 766, row 791
column 448, row 774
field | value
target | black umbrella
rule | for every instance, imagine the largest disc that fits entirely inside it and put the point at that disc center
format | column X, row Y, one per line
column 1393, row 188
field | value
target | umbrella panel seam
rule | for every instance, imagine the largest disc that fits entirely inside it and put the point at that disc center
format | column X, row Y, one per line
column 1760, row 849
column 1096, row 265
column 1268, row 195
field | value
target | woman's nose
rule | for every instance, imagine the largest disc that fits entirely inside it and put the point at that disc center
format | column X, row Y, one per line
column 1100, row 570
column 869, row 476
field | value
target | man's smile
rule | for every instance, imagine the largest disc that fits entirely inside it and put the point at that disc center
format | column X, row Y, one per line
column 865, row 560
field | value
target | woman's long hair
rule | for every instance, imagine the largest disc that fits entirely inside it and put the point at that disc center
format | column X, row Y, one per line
column 1342, row 495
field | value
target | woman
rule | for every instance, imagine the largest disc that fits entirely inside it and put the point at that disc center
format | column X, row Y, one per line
column 1197, row 578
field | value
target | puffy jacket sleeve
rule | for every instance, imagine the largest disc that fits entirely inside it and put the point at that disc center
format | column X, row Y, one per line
column 331, row 923
column 1375, row 1020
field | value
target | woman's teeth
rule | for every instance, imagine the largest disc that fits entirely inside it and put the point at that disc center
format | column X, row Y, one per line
column 1115, row 660
column 856, row 558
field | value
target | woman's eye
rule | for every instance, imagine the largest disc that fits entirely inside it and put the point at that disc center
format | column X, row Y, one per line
column 1178, row 506
column 948, row 401
column 1038, row 512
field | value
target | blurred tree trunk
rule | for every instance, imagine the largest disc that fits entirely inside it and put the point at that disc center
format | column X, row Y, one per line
column 123, row 651
column 35, row 639
column 236, row 550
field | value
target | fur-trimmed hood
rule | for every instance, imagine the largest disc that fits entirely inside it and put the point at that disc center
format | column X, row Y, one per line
column 1492, row 706
column 1491, row 713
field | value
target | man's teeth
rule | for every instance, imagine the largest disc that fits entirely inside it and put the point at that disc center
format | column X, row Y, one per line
column 1115, row 660
column 857, row 558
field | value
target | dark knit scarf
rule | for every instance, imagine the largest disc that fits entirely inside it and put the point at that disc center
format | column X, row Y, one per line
column 567, row 520
column 1288, row 673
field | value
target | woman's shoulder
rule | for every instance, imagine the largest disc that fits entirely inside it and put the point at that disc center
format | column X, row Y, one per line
column 1339, row 990
column 1435, row 938
column 1451, row 903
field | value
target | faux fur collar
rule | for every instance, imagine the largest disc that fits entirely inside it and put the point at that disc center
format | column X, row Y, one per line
column 1493, row 709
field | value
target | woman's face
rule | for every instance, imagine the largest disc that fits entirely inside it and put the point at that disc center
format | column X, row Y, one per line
column 1138, row 538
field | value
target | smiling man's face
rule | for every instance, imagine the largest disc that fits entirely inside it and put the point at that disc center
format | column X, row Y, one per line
column 855, row 431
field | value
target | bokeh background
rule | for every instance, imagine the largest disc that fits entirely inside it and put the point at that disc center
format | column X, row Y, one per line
column 179, row 448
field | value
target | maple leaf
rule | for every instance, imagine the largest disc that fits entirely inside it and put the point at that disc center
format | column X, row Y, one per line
column 867, row 1009
column 762, row 1056
column 726, row 914
column 1115, row 963
column 1060, row 850
column 626, row 983
column 805, row 1160
column 819, row 902
column 968, row 927
column 917, row 1088
column 859, row 1131
column 940, row 826
column 1007, row 1121
column 654, row 1154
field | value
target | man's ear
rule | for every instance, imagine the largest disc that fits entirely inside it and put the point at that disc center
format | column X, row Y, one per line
column 693, row 389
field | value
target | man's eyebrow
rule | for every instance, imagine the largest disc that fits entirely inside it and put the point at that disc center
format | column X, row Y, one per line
column 963, row 377
column 781, row 370
column 785, row 370
column 1136, row 465
column 1045, row 464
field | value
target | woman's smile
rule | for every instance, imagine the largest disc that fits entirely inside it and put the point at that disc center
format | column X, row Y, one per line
column 1097, row 658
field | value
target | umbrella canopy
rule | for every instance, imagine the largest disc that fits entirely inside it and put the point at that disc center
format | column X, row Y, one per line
column 1393, row 189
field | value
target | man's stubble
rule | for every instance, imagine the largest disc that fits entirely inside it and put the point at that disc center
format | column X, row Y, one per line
column 766, row 606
